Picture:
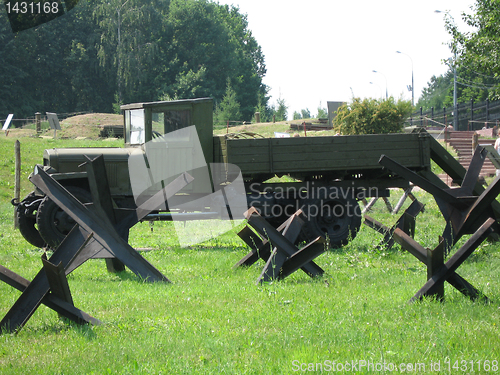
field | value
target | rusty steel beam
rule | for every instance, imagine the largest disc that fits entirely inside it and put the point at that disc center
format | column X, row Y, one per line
column 419, row 252
column 103, row 202
column 455, row 261
column 406, row 222
column 481, row 208
column 267, row 230
column 58, row 282
column 273, row 265
column 99, row 187
column 161, row 196
column 376, row 225
column 278, row 256
column 456, row 171
column 471, row 176
column 50, row 300
column 37, row 290
column 421, row 182
column 305, row 255
column 261, row 248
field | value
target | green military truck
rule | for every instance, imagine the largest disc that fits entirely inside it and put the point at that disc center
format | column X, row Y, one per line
column 325, row 176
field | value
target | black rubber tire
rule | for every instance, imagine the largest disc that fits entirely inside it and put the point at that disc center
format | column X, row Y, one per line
column 338, row 220
column 53, row 223
column 27, row 225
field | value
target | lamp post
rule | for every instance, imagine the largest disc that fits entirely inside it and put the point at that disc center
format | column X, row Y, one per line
column 412, row 85
column 455, row 108
column 375, row 71
column 380, row 88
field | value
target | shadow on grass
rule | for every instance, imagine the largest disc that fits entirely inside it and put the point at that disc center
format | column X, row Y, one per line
column 64, row 325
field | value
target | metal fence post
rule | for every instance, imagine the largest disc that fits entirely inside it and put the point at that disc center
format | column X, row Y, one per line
column 472, row 113
column 17, row 178
column 475, row 141
column 487, row 109
column 38, row 121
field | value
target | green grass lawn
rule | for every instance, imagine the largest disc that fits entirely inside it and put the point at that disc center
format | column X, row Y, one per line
column 212, row 319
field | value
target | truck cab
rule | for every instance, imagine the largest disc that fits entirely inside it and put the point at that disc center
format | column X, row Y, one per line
column 42, row 222
column 144, row 122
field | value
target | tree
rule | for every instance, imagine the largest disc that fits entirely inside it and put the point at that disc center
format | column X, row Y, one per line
column 13, row 76
column 229, row 108
column 130, row 30
column 372, row 116
column 477, row 51
column 470, row 86
column 297, row 115
column 438, row 93
column 305, row 113
column 187, row 85
column 322, row 112
column 250, row 67
column 281, row 112
column 262, row 107
column 477, row 67
column 216, row 38
column 102, row 54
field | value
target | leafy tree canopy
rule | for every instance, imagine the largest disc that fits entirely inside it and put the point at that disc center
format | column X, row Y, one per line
column 475, row 62
column 438, row 93
column 102, row 54
column 479, row 48
column 476, row 52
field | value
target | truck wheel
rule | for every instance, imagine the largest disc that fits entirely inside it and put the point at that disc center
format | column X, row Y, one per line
column 26, row 220
column 337, row 220
column 53, row 223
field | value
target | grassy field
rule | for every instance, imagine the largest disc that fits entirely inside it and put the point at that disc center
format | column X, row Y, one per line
column 212, row 319
column 268, row 129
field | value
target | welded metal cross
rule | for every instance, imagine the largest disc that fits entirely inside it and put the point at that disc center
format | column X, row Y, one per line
column 276, row 247
column 98, row 234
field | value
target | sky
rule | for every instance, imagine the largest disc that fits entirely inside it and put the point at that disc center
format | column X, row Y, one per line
column 326, row 50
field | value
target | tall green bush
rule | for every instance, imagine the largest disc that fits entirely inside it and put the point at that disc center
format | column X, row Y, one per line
column 372, row 116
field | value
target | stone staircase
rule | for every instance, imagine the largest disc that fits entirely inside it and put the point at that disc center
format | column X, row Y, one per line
column 463, row 142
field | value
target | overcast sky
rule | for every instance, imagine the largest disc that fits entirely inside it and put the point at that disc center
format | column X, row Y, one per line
column 326, row 50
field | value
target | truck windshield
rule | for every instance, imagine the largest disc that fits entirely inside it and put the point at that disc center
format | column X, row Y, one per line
column 169, row 121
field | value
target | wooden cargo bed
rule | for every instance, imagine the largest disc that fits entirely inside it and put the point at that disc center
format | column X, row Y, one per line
column 322, row 155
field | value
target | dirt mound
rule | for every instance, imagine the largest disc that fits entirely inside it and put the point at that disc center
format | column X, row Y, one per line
column 90, row 125
column 95, row 119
